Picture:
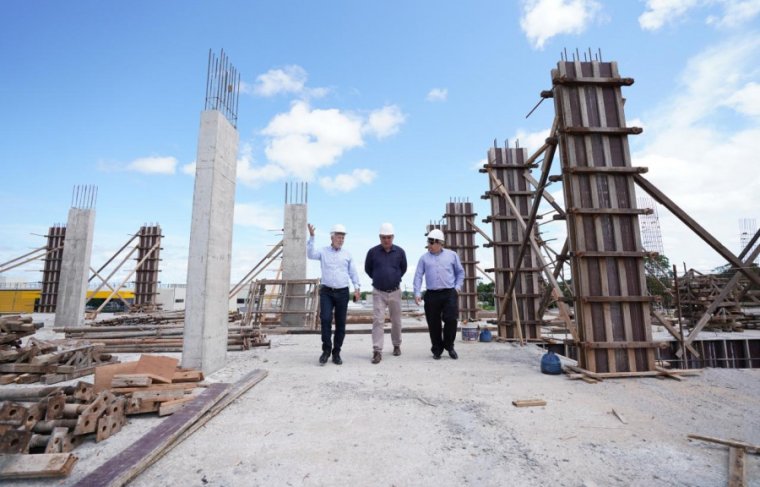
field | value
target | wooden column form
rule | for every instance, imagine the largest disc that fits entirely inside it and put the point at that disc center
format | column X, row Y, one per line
column 146, row 277
column 51, row 272
column 509, row 167
column 460, row 237
column 611, row 303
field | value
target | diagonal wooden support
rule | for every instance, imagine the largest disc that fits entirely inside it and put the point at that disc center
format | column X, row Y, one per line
column 564, row 312
column 661, row 198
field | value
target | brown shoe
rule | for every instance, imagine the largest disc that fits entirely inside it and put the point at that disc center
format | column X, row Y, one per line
column 376, row 357
column 396, row 350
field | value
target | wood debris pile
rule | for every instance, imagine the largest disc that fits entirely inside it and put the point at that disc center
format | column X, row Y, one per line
column 152, row 384
column 697, row 291
column 156, row 333
column 47, row 362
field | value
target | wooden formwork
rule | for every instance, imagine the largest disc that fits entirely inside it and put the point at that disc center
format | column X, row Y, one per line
column 146, row 276
column 612, row 309
column 460, row 237
column 508, row 166
column 51, row 272
column 270, row 299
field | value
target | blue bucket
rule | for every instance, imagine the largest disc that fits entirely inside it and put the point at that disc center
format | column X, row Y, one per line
column 485, row 335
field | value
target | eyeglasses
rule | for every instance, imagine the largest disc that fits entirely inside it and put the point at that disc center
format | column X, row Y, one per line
column 386, row 237
column 432, row 241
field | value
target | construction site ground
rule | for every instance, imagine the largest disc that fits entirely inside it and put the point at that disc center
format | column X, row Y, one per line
column 412, row 420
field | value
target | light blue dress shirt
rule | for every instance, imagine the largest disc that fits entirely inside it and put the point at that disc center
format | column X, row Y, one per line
column 337, row 265
column 442, row 271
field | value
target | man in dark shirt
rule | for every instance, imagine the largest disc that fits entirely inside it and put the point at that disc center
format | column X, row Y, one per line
column 385, row 264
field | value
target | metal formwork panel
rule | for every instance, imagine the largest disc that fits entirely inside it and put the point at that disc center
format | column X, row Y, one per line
column 146, row 276
column 510, row 168
column 460, row 237
column 51, row 272
column 611, row 303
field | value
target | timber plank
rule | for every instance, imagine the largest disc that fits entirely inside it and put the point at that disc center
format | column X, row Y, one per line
column 160, row 368
column 36, row 466
column 526, row 403
column 123, row 467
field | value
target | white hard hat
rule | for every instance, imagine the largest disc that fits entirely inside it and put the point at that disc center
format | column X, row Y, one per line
column 386, row 229
column 338, row 228
column 436, row 235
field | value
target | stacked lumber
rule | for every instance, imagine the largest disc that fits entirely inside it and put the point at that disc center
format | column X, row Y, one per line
column 697, row 291
column 53, row 421
column 50, row 362
column 152, row 384
column 13, row 329
column 152, row 338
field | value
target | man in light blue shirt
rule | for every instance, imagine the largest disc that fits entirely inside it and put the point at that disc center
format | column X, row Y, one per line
column 337, row 269
column 444, row 276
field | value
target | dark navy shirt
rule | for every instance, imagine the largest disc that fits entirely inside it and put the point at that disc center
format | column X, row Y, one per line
column 385, row 268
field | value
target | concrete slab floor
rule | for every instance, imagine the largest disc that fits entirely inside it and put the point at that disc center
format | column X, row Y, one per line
column 411, row 420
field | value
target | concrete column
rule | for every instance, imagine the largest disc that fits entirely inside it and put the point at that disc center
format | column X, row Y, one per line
column 294, row 260
column 75, row 268
column 208, row 270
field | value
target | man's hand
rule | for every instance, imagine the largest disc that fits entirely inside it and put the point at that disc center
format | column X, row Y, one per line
column 417, row 300
column 311, row 229
column 357, row 296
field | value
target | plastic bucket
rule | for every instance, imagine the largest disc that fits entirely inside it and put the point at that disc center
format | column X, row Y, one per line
column 469, row 332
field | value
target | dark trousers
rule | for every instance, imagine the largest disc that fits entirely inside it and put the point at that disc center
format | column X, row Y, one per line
column 333, row 301
column 441, row 305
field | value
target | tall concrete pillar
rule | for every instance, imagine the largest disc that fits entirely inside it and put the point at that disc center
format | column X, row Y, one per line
column 294, row 251
column 75, row 262
column 208, row 270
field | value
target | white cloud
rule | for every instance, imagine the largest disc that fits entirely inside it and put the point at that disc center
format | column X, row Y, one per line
column 258, row 216
column 385, row 121
column 189, row 169
column 661, row 12
column 704, row 167
column 478, row 165
column 544, row 19
column 153, row 165
column 437, row 94
column 531, row 140
column 733, row 13
column 348, row 182
column 289, row 79
column 746, row 100
column 736, row 12
column 305, row 139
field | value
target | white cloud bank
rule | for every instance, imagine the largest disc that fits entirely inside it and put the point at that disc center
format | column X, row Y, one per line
column 347, row 182
column 153, row 165
column 305, row 140
column 286, row 80
column 733, row 13
column 708, row 167
column 544, row 19
column 437, row 94
column 258, row 216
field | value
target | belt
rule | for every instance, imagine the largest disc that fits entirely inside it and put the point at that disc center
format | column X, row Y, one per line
column 333, row 289
column 440, row 290
column 389, row 290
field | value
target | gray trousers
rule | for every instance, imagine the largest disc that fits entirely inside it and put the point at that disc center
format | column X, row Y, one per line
column 381, row 300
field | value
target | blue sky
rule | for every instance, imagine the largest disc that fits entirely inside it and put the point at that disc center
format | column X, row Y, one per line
column 386, row 108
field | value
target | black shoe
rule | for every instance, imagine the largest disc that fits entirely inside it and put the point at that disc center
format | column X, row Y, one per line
column 396, row 350
column 337, row 360
column 323, row 358
column 437, row 356
column 453, row 354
